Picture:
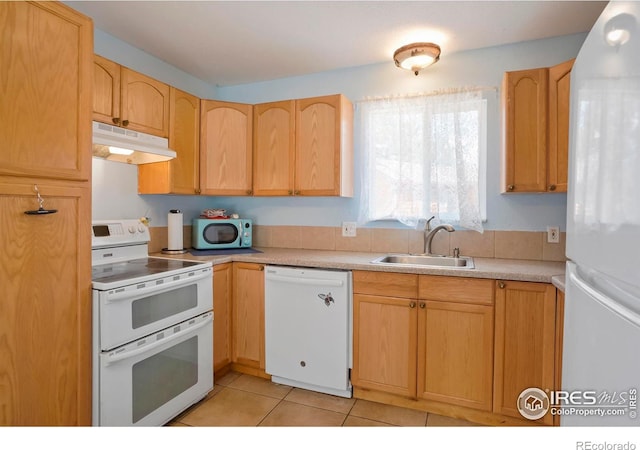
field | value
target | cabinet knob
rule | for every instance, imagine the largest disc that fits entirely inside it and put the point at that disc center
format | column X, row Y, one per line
column 501, row 285
column 198, row 191
column 423, row 305
column 116, row 120
column 412, row 305
column 552, row 187
column 125, row 123
column 511, row 187
column 249, row 192
column 296, row 192
column 290, row 192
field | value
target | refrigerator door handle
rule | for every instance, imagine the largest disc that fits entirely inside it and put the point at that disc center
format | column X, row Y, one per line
column 615, row 306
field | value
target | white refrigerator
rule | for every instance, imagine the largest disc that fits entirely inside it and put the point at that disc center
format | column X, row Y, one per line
column 601, row 351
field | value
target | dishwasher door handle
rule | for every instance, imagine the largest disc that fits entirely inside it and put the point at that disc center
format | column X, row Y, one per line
column 306, row 281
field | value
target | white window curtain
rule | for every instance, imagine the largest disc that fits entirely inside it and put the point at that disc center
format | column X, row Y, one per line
column 423, row 156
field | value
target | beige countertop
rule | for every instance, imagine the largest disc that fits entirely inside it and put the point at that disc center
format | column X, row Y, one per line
column 504, row 269
column 559, row 282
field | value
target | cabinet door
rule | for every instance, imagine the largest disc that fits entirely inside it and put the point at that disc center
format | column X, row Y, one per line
column 45, row 91
column 384, row 344
column 144, row 103
column 558, row 346
column 106, row 90
column 324, row 146
column 181, row 174
column 524, row 343
column 222, row 282
column 274, row 148
column 525, row 96
column 225, row 148
column 248, row 314
column 45, row 312
column 455, row 353
column 558, row 163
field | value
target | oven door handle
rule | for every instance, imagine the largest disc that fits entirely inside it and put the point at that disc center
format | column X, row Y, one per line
column 147, row 348
column 145, row 291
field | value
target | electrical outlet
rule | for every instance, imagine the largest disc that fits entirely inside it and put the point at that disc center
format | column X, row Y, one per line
column 553, row 235
column 349, row 229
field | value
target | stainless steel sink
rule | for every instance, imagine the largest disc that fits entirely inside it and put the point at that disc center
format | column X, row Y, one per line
column 463, row 262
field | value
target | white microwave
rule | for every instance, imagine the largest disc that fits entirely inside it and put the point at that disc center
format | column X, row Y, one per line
column 209, row 234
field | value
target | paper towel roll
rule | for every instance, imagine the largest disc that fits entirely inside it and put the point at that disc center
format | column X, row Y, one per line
column 174, row 223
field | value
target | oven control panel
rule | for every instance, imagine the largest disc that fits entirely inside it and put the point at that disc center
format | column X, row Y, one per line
column 105, row 233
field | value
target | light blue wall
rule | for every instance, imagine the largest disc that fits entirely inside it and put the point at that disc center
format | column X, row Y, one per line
column 484, row 67
column 123, row 53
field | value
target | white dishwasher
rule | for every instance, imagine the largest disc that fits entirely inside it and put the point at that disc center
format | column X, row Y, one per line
column 308, row 328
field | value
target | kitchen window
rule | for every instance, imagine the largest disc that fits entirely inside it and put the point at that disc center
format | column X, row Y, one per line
column 423, row 156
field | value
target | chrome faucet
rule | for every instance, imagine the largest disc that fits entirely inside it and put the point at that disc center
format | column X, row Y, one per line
column 429, row 234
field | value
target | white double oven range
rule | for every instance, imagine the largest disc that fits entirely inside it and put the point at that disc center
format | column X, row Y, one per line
column 152, row 329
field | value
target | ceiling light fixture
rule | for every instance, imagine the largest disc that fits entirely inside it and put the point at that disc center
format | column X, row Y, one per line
column 416, row 57
column 617, row 31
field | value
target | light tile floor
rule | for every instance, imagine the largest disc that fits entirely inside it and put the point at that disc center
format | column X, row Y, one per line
column 244, row 400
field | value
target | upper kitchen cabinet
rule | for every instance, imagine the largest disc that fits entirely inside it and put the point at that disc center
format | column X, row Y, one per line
column 130, row 99
column 45, row 73
column 181, row 174
column 559, row 90
column 106, row 90
column 324, row 146
column 304, row 147
column 536, row 127
column 274, row 148
column 226, row 130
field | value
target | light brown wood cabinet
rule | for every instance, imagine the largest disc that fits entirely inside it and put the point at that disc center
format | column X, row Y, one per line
column 558, row 345
column 455, row 341
column 129, row 99
column 274, row 148
column 226, row 130
column 43, row 92
column 248, row 316
column 304, row 147
column 45, row 265
column 222, row 307
column 525, row 327
column 424, row 337
column 384, row 336
column 535, row 105
column 180, row 175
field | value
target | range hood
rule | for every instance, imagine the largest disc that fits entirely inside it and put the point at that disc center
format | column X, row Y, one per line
column 128, row 146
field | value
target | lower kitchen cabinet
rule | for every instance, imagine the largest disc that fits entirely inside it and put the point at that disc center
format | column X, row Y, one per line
column 248, row 318
column 455, row 353
column 222, row 297
column 558, row 344
column 524, row 343
column 409, row 342
column 384, row 344
column 455, row 341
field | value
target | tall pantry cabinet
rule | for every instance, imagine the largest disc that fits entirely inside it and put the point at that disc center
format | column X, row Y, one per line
column 45, row 264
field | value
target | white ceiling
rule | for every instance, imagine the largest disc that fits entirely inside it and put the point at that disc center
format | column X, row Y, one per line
column 236, row 42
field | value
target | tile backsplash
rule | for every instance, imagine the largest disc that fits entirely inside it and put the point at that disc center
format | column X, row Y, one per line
column 531, row 245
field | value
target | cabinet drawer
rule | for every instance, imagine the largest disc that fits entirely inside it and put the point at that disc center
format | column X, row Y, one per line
column 456, row 289
column 402, row 285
